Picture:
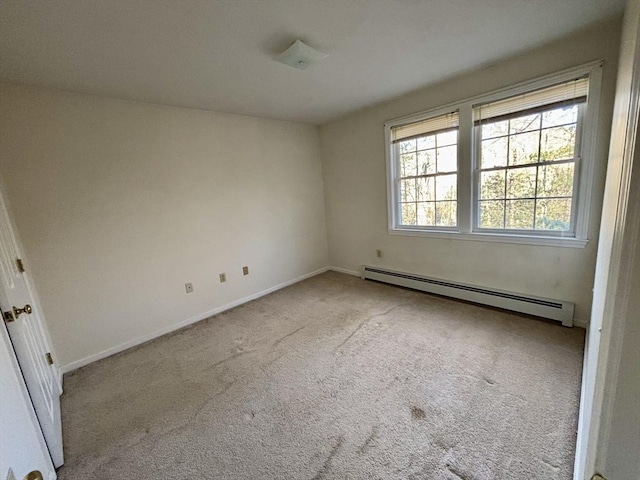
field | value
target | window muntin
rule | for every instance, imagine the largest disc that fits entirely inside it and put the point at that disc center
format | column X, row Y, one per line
column 427, row 172
column 528, row 170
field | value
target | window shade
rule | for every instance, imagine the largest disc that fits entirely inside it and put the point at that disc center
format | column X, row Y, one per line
column 425, row 127
column 568, row 93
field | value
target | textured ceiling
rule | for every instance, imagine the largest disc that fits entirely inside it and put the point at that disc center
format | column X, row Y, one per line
column 217, row 55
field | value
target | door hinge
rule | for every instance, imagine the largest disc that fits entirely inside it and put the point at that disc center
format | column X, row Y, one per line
column 20, row 265
column 8, row 316
column 49, row 359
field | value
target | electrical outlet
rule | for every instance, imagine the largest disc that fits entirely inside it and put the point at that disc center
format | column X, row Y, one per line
column 245, row 270
column 188, row 287
column 379, row 253
column 223, row 277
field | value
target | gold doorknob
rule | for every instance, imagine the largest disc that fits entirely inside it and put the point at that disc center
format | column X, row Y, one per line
column 35, row 475
column 19, row 311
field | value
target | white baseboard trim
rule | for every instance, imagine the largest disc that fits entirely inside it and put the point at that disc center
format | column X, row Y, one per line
column 344, row 270
column 59, row 376
column 69, row 367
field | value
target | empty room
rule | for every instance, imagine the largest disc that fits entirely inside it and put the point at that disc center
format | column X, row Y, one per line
column 320, row 239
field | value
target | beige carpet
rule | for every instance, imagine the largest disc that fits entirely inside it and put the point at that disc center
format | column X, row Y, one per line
column 334, row 377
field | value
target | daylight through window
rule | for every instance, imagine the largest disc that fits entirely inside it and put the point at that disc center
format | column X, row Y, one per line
column 527, row 159
column 427, row 153
column 514, row 163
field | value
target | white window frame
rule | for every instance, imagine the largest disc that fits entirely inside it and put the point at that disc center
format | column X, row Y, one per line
column 396, row 190
column 468, row 170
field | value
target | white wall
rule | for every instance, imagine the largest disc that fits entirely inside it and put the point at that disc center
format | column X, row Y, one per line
column 119, row 203
column 354, row 168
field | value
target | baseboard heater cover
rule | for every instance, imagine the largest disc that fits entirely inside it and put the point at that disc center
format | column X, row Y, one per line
column 542, row 307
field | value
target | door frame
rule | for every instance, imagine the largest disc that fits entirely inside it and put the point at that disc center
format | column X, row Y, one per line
column 32, row 374
column 26, row 276
column 619, row 232
column 34, row 425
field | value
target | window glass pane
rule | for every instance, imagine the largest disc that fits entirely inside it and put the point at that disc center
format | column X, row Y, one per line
column 448, row 159
column 408, row 190
column 426, row 213
column 560, row 116
column 446, row 215
column 428, row 141
column 494, row 152
column 426, row 162
column 408, row 166
column 556, row 180
column 408, row 146
column 553, row 214
column 519, row 214
column 492, row 214
column 425, row 189
column 524, row 123
column 495, row 129
column 492, row 184
column 521, row 183
column 408, row 212
column 447, row 138
column 558, row 143
column 523, row 148
column 446, row 187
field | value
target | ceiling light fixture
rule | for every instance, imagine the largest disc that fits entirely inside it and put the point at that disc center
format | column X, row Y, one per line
column 301, row 56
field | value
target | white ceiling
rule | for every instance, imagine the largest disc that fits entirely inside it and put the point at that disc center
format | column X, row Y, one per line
column 217, row 55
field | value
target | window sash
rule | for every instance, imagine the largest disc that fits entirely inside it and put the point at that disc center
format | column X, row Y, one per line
column 576, row 160
column 432, row 126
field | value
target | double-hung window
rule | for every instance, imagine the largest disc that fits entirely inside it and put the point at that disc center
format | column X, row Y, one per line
column 509, row 166
column 427, row 180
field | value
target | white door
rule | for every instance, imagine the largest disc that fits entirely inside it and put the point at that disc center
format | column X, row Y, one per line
column 22, row 446
column 22, row 318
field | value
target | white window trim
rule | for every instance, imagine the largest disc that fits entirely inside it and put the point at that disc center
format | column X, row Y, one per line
column 467, row 170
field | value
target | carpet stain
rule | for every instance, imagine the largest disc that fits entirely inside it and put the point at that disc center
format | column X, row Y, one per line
column 365, row 446
column 229, row 358
column 277, row 342
column 202, row 407
column 352, row 334
column 362, row 323
column 458, row 473
column 326, row 466
column 549, row 464
column 418, row 413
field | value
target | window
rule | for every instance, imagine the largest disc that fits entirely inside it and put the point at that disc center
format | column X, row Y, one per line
column 527, row 157
column 427, row 152
column 509, row 166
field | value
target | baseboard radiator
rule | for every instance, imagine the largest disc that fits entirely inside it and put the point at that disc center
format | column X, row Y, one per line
column 542, row 307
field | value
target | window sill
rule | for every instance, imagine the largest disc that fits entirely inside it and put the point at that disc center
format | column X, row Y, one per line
column 493, row 237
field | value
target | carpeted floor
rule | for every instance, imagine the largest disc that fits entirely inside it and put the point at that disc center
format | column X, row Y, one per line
column 334, row 377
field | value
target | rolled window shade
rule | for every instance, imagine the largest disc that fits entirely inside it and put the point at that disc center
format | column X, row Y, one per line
column 425, row 127
column 567, row 93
